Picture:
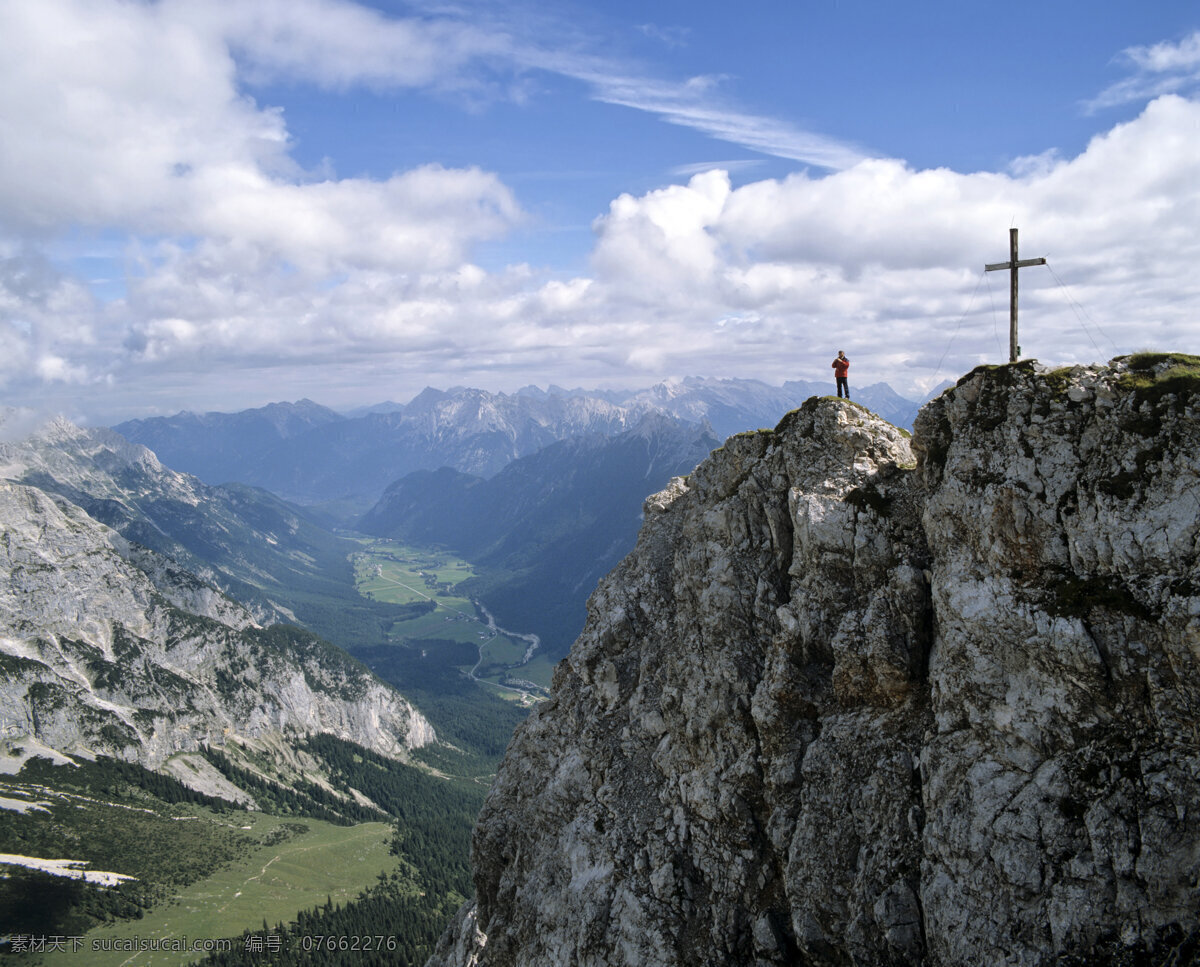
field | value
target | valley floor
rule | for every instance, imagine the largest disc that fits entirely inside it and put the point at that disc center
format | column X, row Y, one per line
column 269, row 884
column 508, row 662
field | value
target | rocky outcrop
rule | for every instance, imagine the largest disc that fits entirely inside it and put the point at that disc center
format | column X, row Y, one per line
column 860, row 700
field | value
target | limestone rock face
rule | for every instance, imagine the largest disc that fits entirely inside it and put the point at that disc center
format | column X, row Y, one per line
column 110, row 646
column 860, row 700
column 107, row 647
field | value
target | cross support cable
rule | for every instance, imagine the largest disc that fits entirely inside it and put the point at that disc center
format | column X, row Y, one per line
column 1013, row 264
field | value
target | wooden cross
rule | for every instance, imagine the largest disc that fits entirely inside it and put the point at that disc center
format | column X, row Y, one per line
column 1013, row 264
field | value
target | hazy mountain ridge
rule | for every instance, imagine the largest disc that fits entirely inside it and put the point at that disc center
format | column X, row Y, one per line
column 222, row 444
column 736, row 405
column 314, row 455
column 471, row 430
column 859, row 700
column 246, row 542
column 551, row 524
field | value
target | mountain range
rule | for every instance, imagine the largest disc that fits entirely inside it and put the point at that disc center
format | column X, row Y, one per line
column 542, row 489
column 852, row 697
column 263, row 552
column 308, row 453
column 163, row 713
column 117, row 625
column 112, row 649
column 548, row 526
column 202, row 631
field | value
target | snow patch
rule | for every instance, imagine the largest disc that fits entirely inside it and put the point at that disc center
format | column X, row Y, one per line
column 21, row 748
column 23, row 805
column 72, row 869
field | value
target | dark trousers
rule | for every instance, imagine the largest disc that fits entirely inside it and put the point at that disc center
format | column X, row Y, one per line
column 843, row 384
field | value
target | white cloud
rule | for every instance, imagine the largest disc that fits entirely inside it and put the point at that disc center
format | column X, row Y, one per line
column 339, row 44
column 672, row 36
column 418, row 220
column 686, row 171
column 887, row 257
column 55, row 369
column 128, row 118
column 48, row 322
column 691, row 104
column 128, row 115
column 1035, row 164
column 1183, row 56
column 1158, row 69
column 656, row 245
column 760, row 280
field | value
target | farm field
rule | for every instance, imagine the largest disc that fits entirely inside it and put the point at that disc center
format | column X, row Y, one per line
column 308, row 862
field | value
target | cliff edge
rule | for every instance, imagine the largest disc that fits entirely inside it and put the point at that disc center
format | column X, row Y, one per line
column 856, row 699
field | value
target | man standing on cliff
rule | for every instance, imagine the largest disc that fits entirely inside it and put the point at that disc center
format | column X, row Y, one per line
column 841, row 366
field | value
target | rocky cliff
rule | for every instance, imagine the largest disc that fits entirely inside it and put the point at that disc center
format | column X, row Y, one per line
column 243, row 541
column 108, row 646
column 860, row 699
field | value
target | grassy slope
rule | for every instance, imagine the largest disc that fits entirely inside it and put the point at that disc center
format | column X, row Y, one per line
column 269, row 882
column 210, row 872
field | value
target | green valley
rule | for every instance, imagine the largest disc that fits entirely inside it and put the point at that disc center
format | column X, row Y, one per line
column 397, row 573
column 128, row 674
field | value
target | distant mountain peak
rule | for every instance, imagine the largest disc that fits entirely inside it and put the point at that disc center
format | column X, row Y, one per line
column 427, row 397
column 315, row 455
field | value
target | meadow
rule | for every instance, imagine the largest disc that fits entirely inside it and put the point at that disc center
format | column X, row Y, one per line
column 396, row 573
column 295, row 865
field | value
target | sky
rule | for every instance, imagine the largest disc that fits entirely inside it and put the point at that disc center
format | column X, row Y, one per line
column 212, row 205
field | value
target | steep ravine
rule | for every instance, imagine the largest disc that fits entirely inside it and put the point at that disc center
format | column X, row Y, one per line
column 859, row 700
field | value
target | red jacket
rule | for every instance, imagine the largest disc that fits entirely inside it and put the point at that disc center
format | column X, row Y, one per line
column 841, row 367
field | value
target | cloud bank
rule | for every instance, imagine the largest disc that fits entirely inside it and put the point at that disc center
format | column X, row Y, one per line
column 245, row 278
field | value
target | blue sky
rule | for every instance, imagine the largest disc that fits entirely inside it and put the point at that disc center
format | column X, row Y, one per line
column 214, row 205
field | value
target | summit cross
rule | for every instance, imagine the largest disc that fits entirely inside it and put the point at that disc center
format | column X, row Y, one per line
column 1013, row 264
